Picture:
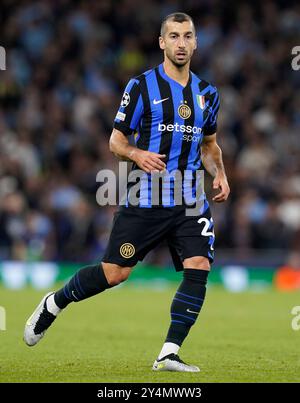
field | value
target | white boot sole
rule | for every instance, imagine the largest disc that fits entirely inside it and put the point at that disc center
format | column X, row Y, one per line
column 30, row 338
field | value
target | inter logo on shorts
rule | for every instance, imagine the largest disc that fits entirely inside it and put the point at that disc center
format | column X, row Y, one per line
column 127, row 250
column 184, row 111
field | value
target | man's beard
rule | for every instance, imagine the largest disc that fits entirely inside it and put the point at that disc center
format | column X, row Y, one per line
column 178, row 64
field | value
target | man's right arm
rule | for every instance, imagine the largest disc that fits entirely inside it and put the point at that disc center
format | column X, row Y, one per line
column 146, row 160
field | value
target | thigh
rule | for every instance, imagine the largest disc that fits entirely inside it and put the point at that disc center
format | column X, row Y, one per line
column 192, row 236
column 134, row 233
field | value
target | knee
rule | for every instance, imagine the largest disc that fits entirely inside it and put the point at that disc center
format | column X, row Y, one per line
column 115, row 274
column 197, row 262
column 117, row 278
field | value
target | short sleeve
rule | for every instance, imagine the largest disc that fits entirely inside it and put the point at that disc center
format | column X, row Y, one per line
column 211, row 123
column 130, row 110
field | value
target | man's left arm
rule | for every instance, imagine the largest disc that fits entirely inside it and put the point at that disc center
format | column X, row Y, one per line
column 211, row 155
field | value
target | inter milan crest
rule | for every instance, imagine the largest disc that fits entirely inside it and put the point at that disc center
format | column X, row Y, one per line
column 125, row 100
column 184, row 111
column 127, row 250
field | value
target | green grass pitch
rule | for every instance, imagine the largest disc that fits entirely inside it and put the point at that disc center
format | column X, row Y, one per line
column 115, row 337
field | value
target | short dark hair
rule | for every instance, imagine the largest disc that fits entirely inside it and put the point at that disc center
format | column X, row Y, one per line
column 176, row 17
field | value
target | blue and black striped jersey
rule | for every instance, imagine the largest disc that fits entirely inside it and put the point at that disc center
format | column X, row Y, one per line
column 170, row 119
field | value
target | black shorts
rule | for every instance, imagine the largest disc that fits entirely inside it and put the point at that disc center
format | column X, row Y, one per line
column 136, row 231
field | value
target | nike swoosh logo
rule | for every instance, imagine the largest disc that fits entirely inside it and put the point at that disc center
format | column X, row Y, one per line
column 188, row 310
column 159, row 101
column 74, row 295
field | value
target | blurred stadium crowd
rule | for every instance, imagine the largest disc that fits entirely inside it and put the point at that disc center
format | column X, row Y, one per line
column 67, row 65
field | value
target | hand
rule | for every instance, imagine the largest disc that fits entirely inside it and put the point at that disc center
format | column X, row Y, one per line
column 149, row 161
column 220, row 182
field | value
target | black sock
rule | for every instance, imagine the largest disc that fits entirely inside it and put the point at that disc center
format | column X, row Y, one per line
column 187, row 304
column 88, row 281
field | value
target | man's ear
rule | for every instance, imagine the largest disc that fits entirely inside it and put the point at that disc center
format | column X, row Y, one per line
column 196, row 43
column 161, row 43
